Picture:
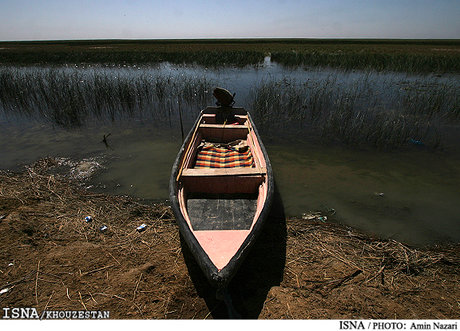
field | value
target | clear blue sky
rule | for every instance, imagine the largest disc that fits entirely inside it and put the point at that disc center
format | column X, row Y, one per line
column 132, row 19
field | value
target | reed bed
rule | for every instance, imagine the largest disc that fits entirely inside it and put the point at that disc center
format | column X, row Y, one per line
column 360, row 111
column 414, row 63
column 210, row 58
column 384, row 54
column 357, row 114
column 72, row 97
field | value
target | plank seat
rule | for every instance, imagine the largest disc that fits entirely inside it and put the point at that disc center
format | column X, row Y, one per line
column 222, row 126
column 210, row 172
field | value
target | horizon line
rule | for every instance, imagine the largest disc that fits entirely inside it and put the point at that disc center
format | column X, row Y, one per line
column 231, row 39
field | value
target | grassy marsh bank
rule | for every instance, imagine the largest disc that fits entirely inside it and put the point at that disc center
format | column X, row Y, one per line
column 52, row 259
column 398, row 55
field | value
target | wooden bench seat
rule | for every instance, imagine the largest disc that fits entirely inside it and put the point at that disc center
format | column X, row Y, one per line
column 223, row 126
column 210, row 172
column 223, row 180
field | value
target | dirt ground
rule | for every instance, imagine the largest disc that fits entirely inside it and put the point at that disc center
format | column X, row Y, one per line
column 51, row 259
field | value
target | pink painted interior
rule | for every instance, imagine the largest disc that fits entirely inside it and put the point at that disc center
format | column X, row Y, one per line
column 260, row 201
column 255, row 148
column 222, row 245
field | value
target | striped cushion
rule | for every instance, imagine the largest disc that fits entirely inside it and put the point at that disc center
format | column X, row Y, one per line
column 223, row 157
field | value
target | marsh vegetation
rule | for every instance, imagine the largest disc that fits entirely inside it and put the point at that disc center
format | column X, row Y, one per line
column 360, row 110
column 359, row 113
column 348, row 118
column 72, row 97
column 418, row 56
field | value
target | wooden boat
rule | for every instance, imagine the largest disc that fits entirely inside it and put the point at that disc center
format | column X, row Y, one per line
column 221, row 189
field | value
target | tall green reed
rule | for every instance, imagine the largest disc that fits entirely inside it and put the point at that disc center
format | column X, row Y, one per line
column 71, row 97
column 207, row 58
column 407, row 62
column 354, row 114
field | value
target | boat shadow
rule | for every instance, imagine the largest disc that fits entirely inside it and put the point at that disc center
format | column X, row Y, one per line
column 262, row 269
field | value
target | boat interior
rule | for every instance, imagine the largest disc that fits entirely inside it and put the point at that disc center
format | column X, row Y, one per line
column 215, row 193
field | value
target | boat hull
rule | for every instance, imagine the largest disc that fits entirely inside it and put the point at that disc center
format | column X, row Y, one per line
column 221, row 220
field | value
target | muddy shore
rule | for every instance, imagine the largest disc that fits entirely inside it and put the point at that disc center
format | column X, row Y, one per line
column 52, row 259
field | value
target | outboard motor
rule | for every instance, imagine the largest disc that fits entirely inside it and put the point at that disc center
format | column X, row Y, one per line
column 225, row 102
column 224, row 97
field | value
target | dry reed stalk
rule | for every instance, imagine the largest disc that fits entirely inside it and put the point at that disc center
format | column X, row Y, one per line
column 96, row 270
column 119, row 297
column 342, row 259
column 81, row 301
column 92, row 298
column 166, row 306
column 36, row 283
column 114, row 258
column 67, row 293
column 46, row 306
column 137, row 285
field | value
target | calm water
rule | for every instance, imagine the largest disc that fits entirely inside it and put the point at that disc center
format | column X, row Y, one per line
column 410, row 195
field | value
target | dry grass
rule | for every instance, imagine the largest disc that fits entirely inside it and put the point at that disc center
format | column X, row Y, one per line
column 62, row 262
column 364, row 277
column 50, row 258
